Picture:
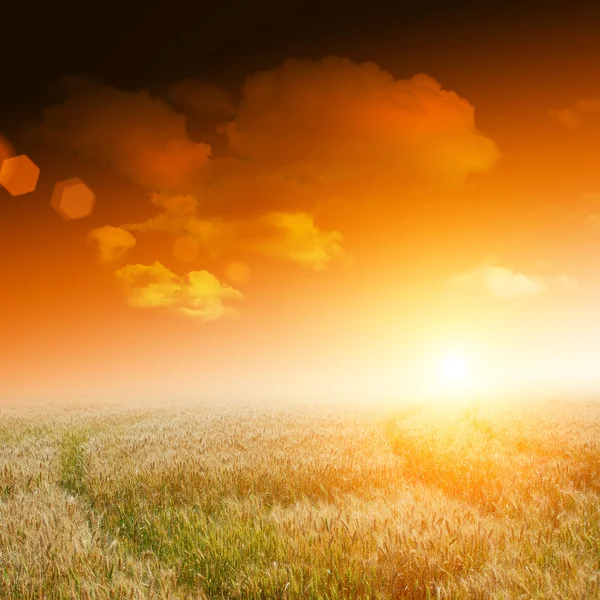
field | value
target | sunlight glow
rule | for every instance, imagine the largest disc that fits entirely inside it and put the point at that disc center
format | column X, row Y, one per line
column 453, row 374
column 454, row 368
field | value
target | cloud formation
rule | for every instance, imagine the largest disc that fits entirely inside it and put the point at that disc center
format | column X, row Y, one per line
column 279, row 235
column 333, row 119
column 234, row 188
column 572, row 118
column 139, row 136
column 112, row 242
column 303, row 133
column 202, row 99
column 504, row 283
column 331, row 123
column 199, row 294
column 293, row 237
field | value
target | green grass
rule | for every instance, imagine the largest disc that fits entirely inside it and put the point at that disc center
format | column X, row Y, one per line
column 72, row 462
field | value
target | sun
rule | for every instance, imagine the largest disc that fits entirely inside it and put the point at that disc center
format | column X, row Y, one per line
column 453, row 373
column 454, row 368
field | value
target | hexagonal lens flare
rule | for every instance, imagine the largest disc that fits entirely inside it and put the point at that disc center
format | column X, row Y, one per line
column 72, row 199
column 19, row 175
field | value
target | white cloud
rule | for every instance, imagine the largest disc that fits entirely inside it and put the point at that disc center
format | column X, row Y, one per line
column 504, row 283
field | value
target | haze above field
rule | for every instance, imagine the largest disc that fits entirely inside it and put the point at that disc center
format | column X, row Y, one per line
column 306, row 200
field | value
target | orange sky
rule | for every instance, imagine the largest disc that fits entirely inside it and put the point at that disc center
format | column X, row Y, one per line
column 379, row 217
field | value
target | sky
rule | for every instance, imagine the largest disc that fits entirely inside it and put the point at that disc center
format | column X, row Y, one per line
column 301, row 199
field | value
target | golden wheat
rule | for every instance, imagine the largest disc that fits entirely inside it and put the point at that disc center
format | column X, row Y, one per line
column 493, row 501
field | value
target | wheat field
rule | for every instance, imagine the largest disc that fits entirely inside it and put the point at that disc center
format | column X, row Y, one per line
column 263, row 502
